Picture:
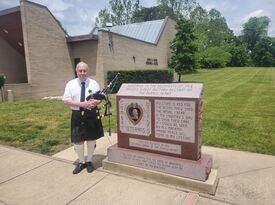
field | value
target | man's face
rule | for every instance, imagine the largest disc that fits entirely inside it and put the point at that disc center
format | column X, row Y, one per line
column 81, row 72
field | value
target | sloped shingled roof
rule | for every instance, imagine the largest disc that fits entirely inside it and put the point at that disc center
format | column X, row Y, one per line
column 148, row 31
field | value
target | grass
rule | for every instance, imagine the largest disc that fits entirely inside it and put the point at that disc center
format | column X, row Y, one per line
column 39, row 125
column 239, row 108
column 239, row 113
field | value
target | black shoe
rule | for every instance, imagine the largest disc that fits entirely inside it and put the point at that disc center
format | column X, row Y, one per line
column 90, row 167
column 79, row 167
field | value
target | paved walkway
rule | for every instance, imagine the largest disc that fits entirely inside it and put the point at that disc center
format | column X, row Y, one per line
column 30, row 178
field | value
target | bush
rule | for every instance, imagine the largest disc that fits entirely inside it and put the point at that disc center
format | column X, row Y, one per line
column 239, row 56
column 2, row 80
column 139, row 76
column 214, row 57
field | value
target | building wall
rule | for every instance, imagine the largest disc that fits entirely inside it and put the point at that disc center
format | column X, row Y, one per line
column 87, row 52
column 19, row 91
column 49, row 58
column 169, row 34
column 128, row 53
column 100, row 74
column 48, row 61
column 12, row 64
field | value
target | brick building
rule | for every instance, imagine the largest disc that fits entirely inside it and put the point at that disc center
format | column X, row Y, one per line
column 38, row 57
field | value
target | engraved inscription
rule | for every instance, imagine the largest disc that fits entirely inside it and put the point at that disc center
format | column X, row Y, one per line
column 187, row 168
column 157, row 146
column 143, row 125
column 175, row 120
column 153, row 163
column 192, row 90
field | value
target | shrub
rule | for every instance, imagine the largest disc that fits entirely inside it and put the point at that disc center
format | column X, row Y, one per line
column 2, row 80
column 240, row 56
column 139, row 76
column 214, row 57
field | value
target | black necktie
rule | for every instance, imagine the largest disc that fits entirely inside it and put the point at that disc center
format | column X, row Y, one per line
column 82, row 96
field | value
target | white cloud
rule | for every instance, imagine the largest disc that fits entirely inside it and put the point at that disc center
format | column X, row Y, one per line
column 59, row 5
column 221, row 6
column 208, row 7
column 228, row 7
column 256, row 13
column 79, row 29
column 83, row 14
column 148, row 3
column 93, row 17
column 8, row 4
column 59, row 15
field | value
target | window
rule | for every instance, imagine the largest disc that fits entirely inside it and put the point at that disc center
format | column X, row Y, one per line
column 152, row 61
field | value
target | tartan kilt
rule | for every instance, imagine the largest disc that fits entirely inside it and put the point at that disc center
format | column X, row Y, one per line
column 87, row 126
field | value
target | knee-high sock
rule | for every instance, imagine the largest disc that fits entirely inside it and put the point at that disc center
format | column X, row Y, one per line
column 90, row 149
column 79, row 149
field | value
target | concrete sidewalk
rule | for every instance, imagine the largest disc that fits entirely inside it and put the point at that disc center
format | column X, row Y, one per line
column 30, row 178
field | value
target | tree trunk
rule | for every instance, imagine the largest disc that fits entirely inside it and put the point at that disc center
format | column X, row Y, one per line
column 179, row 78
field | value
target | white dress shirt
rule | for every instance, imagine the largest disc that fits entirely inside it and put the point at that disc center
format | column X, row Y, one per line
column 73, row 90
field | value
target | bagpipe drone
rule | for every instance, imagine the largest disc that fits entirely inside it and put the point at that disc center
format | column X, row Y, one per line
column 104, row 95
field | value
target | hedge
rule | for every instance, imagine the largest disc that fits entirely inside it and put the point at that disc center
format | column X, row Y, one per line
column 139, row 76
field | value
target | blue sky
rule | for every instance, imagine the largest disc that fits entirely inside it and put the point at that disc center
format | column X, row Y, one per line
column 78, row 16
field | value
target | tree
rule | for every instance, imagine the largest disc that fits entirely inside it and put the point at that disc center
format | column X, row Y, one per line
column 199, row 15
column 179, row 7
column 153, row 13
column 183, row 48
column 121, row 12
column 254, row 30
column 239, row 53
column 214, row 57
column 263, row 54
column 218, row 32
column 210, row 27
column 272, row 50
column 213, row 37
column 104, row 16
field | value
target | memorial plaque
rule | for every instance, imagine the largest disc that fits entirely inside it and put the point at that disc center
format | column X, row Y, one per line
column 159, row 128
column 152, row 145
column 161, row 118
column 135, row 116
column 198, row 169
column 175, row 120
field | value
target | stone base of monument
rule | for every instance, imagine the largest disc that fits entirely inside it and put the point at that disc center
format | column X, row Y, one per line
column 189, row 174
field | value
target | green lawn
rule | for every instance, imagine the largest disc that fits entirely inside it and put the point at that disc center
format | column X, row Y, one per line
column 39, row 125
column 239, row 108
column 239, row 113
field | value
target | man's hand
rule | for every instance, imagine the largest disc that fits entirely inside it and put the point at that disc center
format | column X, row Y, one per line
column 90, row 104
column 94, row 102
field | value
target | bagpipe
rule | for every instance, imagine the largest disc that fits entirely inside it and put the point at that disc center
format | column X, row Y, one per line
column 104, row 95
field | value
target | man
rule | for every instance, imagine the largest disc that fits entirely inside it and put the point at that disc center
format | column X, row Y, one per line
column 85, row 125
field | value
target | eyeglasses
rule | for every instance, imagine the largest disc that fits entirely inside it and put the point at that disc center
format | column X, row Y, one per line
column 82, row 71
